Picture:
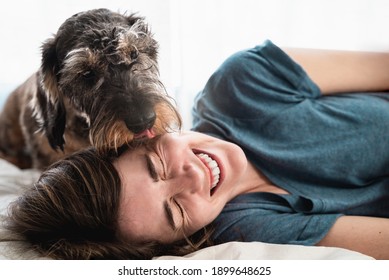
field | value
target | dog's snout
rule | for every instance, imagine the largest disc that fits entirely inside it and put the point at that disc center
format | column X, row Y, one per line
column 142, row 122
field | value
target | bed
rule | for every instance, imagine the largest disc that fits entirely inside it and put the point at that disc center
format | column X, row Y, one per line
column 13, row 180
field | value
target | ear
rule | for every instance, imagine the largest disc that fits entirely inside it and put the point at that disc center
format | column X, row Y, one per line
column 49, row 99
column 51, row 117
column 55, row 125
column 49, row 70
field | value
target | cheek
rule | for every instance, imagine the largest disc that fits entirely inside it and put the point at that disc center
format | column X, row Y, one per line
column 200, row 215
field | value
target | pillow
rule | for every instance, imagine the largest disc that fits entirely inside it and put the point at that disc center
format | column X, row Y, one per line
column 266, row 251
column 12, row 182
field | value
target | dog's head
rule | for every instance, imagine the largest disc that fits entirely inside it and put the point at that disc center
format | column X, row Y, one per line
column 105, row 65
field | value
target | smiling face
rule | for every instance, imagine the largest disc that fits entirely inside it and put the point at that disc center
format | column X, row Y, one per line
column 178, row 187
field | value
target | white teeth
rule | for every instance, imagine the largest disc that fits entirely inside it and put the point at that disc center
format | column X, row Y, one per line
column 212, row 165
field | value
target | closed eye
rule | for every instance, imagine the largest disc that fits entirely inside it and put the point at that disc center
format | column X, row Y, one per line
column 151, row 168
column 181, row 210
column 170, row 214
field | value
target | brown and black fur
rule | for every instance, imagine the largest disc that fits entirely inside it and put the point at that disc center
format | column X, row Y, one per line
column 98, row 85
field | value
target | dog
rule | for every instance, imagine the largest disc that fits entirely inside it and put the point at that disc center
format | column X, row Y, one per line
column 98, row 85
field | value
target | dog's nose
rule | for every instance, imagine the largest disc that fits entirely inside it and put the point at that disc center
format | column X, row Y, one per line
column 141, row 122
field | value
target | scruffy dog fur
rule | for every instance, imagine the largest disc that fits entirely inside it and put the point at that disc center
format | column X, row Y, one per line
column 98, row 85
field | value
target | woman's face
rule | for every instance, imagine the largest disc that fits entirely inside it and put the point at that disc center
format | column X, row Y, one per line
column 177, row 188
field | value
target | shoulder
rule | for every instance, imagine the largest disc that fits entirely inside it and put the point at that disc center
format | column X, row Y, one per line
column 259, row 57
column 260, row 72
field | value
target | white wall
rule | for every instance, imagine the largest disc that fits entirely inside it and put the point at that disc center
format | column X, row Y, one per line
column 197, row 35
column 25, row 24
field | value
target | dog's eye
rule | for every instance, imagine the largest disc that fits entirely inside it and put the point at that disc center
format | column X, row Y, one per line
column 88, row 75
column 134, row 54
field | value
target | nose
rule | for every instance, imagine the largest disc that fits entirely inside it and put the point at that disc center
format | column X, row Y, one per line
column 190, row 171
column 189, row 180
column 141, row 120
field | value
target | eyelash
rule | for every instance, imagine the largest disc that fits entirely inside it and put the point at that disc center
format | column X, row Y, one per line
column 181, row 211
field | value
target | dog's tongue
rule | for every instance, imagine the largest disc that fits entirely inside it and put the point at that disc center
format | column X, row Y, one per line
column 148, row 133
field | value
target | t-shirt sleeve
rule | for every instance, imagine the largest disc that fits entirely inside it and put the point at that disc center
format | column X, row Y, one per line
column 254, row 83
column 271, row 222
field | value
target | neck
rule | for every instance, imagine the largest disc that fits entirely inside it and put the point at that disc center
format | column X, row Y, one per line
column 256, row 181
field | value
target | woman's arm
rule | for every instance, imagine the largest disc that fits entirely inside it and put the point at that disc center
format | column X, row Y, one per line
column 344, row 71
column 367, row 235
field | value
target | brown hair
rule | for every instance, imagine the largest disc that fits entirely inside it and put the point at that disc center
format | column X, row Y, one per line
column 71, row 213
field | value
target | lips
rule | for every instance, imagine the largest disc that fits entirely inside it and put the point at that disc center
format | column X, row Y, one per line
column 213, row 168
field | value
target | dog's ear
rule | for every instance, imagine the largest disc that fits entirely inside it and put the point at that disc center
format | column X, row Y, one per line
column 49, row 70
column 49, row 98
column 55, row 125
column 51, row 118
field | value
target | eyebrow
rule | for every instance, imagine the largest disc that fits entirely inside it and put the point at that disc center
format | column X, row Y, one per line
column 151, row 168
column 169, row 215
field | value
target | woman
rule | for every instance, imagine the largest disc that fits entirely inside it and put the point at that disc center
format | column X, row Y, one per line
column 279, row 156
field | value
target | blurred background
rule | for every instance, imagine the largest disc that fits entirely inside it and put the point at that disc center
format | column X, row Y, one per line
column 195, row 36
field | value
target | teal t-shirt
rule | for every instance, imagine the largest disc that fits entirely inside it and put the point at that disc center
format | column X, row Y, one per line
column 331, row 153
